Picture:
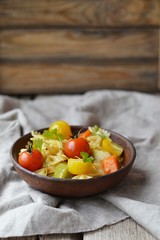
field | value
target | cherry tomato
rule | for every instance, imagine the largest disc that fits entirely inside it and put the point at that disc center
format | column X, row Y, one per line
column 31, row 160
column 73, row 147
column 78, row 166
column 62, row 128
column 112, row 147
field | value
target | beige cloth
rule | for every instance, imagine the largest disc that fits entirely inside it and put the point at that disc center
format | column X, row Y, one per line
column 25, row 211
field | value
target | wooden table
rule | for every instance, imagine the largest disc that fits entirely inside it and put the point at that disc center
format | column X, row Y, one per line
column 124, row 230
column 75, row 46
column 99, row 44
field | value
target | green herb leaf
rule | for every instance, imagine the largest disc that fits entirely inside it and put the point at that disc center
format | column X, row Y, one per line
column 53, row 134
column 48, row 134
column 37, row 143
column 86, row 158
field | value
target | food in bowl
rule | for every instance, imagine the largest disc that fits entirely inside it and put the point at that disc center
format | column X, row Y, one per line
column 71, row 187
column 58, row 152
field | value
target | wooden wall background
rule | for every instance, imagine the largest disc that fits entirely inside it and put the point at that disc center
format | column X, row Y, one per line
column 70, row 46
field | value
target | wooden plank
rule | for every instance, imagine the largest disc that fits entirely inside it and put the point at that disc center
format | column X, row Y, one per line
column 80, row 12
column 126, row 230
column 61, row 237
column 49, row 237
column 22, row 238
column 159, row 63
column 74, row 78
column 64, row 44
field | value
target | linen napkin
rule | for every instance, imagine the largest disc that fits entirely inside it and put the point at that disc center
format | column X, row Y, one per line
column 132, row 114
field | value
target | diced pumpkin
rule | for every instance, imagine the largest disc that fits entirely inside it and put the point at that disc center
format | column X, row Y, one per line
column 110, row 164
column 85, row 134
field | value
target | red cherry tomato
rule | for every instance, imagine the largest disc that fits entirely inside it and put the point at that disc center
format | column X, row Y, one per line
column 31, row 160
column 75, row 146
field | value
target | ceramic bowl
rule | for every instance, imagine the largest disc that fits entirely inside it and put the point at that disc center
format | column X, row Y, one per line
column 73, row 187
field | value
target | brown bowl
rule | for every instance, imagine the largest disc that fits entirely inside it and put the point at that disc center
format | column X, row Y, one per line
column 75, row 187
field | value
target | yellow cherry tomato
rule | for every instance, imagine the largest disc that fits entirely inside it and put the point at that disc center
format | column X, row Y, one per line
column 62, row 128
column 112, row 147
column 79, row 167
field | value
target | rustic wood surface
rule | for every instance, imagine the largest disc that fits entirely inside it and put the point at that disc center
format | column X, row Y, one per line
column 75, row 46
column 76, row 78
column 86, row 43
column 159, row 62
column 80, row 12
column 80, row 44
column 126, row 230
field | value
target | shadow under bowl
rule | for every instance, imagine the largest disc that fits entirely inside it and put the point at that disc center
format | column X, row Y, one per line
column 75, row 187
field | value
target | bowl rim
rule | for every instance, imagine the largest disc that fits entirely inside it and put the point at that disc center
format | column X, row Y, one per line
column 47, row 178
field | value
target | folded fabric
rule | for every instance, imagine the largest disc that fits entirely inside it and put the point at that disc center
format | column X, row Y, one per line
column 132, row 114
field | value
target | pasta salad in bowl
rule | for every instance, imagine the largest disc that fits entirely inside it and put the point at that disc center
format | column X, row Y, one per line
column 72, row 161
